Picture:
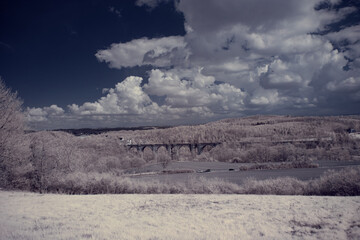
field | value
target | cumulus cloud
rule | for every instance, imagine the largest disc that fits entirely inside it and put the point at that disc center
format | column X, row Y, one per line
column 43, row 114
column 248, row 56
column 263, row 98
column 189, row 96
column 186, row 89
column 35, row 115
column 275, row 54
column 158, row 52
column 186, row 93
column 54, row 110
column 250, row 36
column 126, row 98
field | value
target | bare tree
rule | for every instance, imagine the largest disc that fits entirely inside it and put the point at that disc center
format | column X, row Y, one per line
column 164, row 159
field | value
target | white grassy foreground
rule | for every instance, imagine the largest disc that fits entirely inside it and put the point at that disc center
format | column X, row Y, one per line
column 50, row 216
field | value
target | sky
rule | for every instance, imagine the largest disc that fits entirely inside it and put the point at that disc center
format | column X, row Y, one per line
column 111, row 63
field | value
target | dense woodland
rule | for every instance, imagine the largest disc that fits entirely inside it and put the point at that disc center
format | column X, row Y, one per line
column 43, row 161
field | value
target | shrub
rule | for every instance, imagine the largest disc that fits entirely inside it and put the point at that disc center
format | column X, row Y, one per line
column 342, row 183
column 345, row 182
column 224, row 153
column 164, row 159
column 337, row 154
column 203, row 185
column 278, row 186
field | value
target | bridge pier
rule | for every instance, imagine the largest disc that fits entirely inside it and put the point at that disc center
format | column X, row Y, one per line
column 172, row 149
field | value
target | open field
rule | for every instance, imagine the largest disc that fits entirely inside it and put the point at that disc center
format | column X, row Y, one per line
column 50, row 216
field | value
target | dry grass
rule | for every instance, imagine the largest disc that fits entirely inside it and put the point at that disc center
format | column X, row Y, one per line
column 55, row 216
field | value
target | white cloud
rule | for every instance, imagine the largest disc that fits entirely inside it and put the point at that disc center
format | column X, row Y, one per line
column 43, row 114
column 263, row 97
column 235, row 65
column 190, row 88
column 187, row 93
column 189, row 96
column 126, row 98
column 54, row 110
column 35, row 114
column 238, row 56
column 272, row 55
column 158, row 52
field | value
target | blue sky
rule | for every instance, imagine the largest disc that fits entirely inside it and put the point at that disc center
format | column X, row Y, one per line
column 104, row 63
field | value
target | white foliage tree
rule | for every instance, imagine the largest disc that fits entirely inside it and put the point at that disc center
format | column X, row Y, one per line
column 12, row 142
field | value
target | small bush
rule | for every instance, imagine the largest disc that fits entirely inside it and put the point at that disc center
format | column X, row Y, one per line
column 345, row 182
column 164, row 159
column 332, row 183
column 337, row 154
column 203, row 185
column 278, row 186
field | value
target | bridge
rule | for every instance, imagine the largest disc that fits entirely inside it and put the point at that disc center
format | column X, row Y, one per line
column 173, row 148
column 197, row 148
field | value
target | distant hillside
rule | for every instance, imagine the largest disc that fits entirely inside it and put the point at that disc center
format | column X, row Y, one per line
column 95, row 131
column 254, row 128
